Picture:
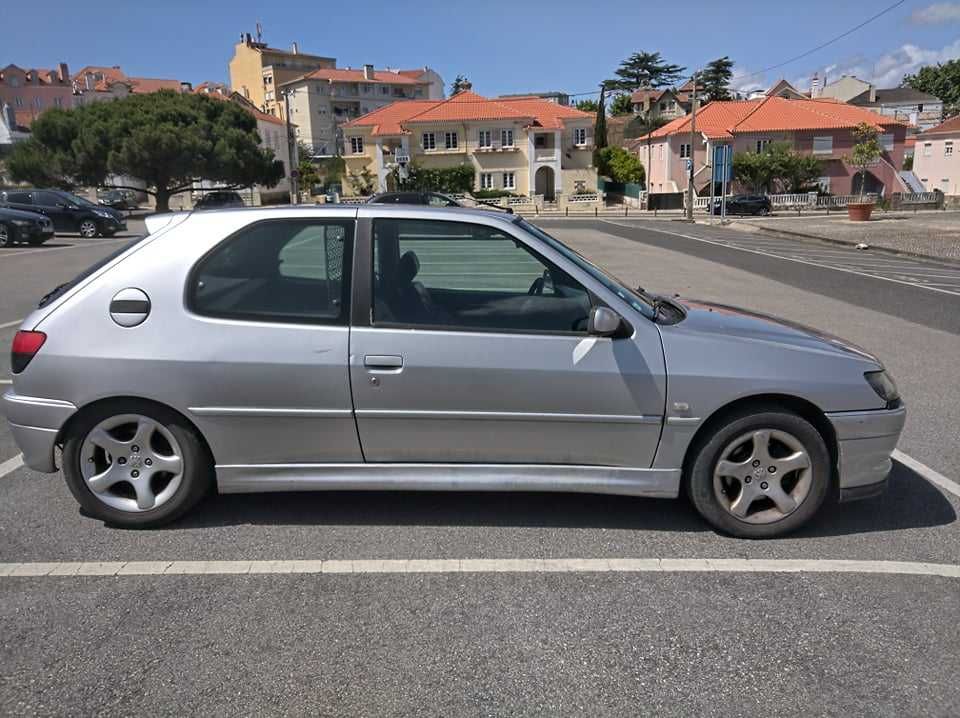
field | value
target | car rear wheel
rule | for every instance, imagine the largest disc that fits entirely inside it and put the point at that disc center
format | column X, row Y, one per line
column 135, row 465
column 763, row 473
column 88, row 229
column 6, row 236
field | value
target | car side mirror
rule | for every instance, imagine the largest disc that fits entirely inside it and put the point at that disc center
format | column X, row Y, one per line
column 603, row 322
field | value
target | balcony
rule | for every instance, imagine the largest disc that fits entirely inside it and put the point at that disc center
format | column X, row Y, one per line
column 545, row 154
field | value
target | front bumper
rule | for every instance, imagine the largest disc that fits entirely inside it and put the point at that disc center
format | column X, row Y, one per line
column 865, row 440
column 35, row 423
column 34, row 232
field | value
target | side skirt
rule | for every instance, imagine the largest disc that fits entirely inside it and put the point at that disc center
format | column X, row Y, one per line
column 237, row 479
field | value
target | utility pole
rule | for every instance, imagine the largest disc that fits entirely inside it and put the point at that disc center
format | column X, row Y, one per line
column 294, row 173
column 693, row 139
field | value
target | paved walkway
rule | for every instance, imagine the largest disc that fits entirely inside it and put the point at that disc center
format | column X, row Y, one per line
column 930, row 234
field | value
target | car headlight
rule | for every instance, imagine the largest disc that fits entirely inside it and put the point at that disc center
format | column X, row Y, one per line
column 23, row 222
column 884, row 385
column 103, row 213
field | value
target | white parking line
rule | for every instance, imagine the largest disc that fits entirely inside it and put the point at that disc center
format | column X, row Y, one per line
column 781, row 255
column 504, row 565
column 11, row 465
column 14, row 323
column 926, row 472
column 91, row 243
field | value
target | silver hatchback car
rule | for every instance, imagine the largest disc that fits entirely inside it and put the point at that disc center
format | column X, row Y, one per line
column 392, row 347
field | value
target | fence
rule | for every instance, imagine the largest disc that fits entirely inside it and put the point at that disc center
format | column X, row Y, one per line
column 808, row 200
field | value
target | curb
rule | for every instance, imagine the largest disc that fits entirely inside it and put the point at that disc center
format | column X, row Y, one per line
column 952, row 263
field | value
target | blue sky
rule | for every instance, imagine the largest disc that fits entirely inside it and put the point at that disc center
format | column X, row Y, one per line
column 501, row 46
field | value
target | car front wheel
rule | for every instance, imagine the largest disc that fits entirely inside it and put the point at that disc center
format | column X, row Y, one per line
column 763, row 473
column 89, row 229
column 135, row 465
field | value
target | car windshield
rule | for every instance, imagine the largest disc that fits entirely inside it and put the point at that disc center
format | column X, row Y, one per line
column 77, row 200
column 637, row 299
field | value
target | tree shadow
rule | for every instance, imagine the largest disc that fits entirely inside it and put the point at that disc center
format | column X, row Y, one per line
column 909, row 502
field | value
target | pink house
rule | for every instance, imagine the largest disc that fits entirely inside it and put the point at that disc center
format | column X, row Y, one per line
column 821, row 127
column 31, row 92
column 937, row 158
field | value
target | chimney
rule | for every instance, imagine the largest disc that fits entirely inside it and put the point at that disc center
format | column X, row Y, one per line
column 63, row 73
column 815, row 86
column 247, row 39
column 296, row 49
column 873, row 93
column 368, row 72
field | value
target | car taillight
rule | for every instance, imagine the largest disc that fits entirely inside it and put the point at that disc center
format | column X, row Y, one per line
column 25, row 347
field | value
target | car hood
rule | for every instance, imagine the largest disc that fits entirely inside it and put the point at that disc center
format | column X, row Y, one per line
column 734, row 322
column 20, row 214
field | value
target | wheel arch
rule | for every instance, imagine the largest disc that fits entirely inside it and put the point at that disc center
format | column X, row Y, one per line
column 98, row 403
column 802, row 407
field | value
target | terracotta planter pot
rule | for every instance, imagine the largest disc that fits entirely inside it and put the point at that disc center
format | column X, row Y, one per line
column 859, row 212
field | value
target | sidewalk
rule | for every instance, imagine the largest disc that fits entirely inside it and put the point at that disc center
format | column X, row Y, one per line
column 927, row 234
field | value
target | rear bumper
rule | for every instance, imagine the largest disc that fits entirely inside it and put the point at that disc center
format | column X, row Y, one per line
column 865, row 440
column 35, row 423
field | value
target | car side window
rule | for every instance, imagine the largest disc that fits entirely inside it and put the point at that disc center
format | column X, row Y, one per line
column 48, row 199
column 438, row 200
column 470, row 277
column 19, row 197
column 294, row 271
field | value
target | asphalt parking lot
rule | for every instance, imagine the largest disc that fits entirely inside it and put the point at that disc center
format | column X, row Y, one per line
column 484, row 604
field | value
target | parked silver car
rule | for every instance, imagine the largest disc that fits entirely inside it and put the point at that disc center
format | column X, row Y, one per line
column 380, row 347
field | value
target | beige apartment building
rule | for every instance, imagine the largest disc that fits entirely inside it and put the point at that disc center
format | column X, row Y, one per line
column 257, row 70
column 526, row 145
column 323, row 100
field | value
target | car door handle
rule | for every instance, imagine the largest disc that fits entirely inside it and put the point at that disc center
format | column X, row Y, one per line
column 383, row 361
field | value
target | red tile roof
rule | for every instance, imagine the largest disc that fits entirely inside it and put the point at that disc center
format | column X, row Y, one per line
column 341, row 75
column 466, row 107
column 950, row 127
column 722, row 120
column 241, row 101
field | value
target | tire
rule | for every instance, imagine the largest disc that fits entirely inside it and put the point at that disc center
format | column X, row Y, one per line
column 88, row 229
column 118, row 501
column 716, row 494
column 7, row 237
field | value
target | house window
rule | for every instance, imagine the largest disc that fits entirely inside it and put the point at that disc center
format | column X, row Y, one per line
column 762, row 145
column 580, row 136
column 58, row 101
column 948, row 149
column 886, row 141
column 486, row 138
column 663, row 107
column 509, row 180
column 506, row 138
column 384, row 90
column 18, row 101
column 486, row 180
column 824, row 184
column 356, row 145
column 429, row 141
column 823, row 145
column 450, row 140
column 927, row 149
column 684, row 150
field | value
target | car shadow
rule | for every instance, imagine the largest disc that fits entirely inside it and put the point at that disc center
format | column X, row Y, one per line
column 909, row 502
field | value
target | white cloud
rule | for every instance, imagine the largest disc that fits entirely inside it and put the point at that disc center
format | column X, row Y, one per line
column 888, row 69
column 936, row 14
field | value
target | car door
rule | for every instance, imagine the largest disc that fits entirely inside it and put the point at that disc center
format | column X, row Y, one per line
column 268, row 308
column 474, row 349
column 62, row 213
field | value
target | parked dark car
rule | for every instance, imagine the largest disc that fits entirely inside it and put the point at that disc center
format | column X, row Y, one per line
column 68, row 212
column 220, row 199
column 26, row 227
column 118, row 199
column 745, row 204
column 431, row 199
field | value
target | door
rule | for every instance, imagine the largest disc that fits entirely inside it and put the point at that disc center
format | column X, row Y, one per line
column 61, row 212
column 476, row 351
column 268, row 334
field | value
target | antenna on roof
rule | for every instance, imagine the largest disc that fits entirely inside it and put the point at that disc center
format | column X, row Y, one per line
column 259, row 32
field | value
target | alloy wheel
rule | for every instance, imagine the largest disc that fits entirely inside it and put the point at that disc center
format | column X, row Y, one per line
column 763, row 476
column 131, row 462
column 4, row 236
column 88, row 229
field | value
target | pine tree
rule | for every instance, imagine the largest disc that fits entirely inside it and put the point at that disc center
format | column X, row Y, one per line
column 644, row 69
column 461, row 84
column 600, row 126
column 714, row 81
